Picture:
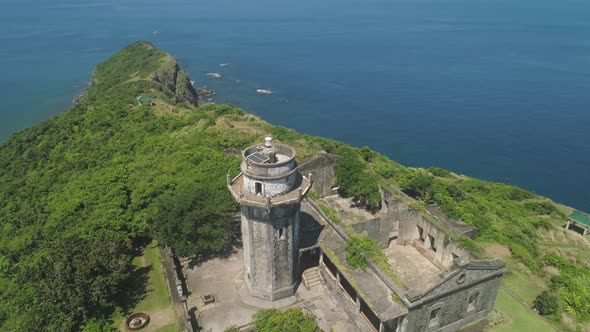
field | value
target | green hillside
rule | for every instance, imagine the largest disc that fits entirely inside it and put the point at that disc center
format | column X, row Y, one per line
column 83, row 192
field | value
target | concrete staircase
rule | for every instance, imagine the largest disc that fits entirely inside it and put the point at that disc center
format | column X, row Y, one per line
column 312, row 277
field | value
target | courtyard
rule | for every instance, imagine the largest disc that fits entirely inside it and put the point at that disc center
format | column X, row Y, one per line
column 232, row 304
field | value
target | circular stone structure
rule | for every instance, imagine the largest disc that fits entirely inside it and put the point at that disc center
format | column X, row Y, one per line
column 269, row 190
column 137, row 321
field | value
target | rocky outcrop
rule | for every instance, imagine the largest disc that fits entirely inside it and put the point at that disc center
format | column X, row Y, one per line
column 175, row 83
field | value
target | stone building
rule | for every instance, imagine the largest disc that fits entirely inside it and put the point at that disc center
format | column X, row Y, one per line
column 269, row 190
column 437, row 278
column 579, row 220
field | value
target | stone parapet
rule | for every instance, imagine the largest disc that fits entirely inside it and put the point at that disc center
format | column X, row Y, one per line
column 237, row 189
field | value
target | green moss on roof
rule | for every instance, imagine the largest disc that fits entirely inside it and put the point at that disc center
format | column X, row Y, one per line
column 581, row 217
column 143, row 98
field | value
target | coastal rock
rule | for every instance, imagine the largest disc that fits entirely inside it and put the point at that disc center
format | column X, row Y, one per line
column 175, row 83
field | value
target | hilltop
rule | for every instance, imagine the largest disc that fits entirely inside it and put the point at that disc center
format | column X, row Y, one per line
column 83, row 191
column 143, row 69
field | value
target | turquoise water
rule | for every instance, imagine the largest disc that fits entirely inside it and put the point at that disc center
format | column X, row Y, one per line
column 497, row 89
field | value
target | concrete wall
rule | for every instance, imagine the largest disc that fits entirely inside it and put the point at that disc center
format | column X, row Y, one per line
column 271, row 250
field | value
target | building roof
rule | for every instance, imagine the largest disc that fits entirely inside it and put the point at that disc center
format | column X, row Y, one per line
column 143, row 98
column 581, row 217
column 370, row 287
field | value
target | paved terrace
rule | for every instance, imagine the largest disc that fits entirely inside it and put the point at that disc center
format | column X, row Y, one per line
column 347, row 210
column 411, row 266
column 223, row 278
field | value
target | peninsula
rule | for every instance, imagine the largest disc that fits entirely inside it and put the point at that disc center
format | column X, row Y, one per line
column 93, row 199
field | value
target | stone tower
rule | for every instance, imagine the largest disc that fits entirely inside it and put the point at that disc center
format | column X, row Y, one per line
column 269, row 190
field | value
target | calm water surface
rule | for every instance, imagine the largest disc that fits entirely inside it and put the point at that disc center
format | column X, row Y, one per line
column 497, row 89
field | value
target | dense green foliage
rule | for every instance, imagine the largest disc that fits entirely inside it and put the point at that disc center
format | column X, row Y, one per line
column 354, row 180
column 440, row 172
column 291, row 320
column 194, row 218
column 572, row 284
column 73, row 278
column 546, row 304
column 361, row 249
column 356, row 250
column 81, row 189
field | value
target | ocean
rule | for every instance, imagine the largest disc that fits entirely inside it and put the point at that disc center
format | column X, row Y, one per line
column 496, row 89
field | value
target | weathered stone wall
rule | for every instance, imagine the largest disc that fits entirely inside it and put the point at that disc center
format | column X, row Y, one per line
column 271, row 250
column 268, row 170
column 271, row 187
column 455, row 311
column 322, row 180
column 380, row 229
column 321, row 168
column 345, row 303
column 444, row 248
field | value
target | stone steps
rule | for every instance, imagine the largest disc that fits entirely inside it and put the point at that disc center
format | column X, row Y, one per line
column 312, row 277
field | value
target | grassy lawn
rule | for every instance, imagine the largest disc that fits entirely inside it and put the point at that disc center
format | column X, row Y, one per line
column 523, row 286
column 155, row 301
column 518, row 317
column 519, row 279
column 169, row 328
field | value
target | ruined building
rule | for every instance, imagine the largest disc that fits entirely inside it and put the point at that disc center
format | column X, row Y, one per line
column 437, row 278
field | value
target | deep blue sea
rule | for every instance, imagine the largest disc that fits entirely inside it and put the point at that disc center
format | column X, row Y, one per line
column 497, row 89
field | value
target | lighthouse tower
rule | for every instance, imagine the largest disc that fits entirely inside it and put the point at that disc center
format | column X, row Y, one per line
column 269, row 190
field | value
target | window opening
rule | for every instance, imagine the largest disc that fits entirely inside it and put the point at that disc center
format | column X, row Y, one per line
column 432, row 239
column 420, row 233
column 258, row 188
column 434, row 317
column 472, row 305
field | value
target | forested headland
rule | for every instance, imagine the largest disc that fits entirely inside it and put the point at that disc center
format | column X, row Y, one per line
column 83, row 191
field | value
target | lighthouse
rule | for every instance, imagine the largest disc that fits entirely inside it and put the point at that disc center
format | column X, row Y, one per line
column 269, row 190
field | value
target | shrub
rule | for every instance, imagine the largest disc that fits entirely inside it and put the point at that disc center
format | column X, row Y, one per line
column 313, row 194
column 292, row 320
column 440, row 172
column 546, row 304
column 542, row 208
column 468, row 244
column 356, row 249
column 521, row 253
column 354, row 179
column 420, row 186
column 542, row 224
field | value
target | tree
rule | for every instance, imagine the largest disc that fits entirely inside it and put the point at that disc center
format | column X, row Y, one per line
column 77, row 278
column 194, row 219
column 292, row 320
column 421, row 187
column 354, row 179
